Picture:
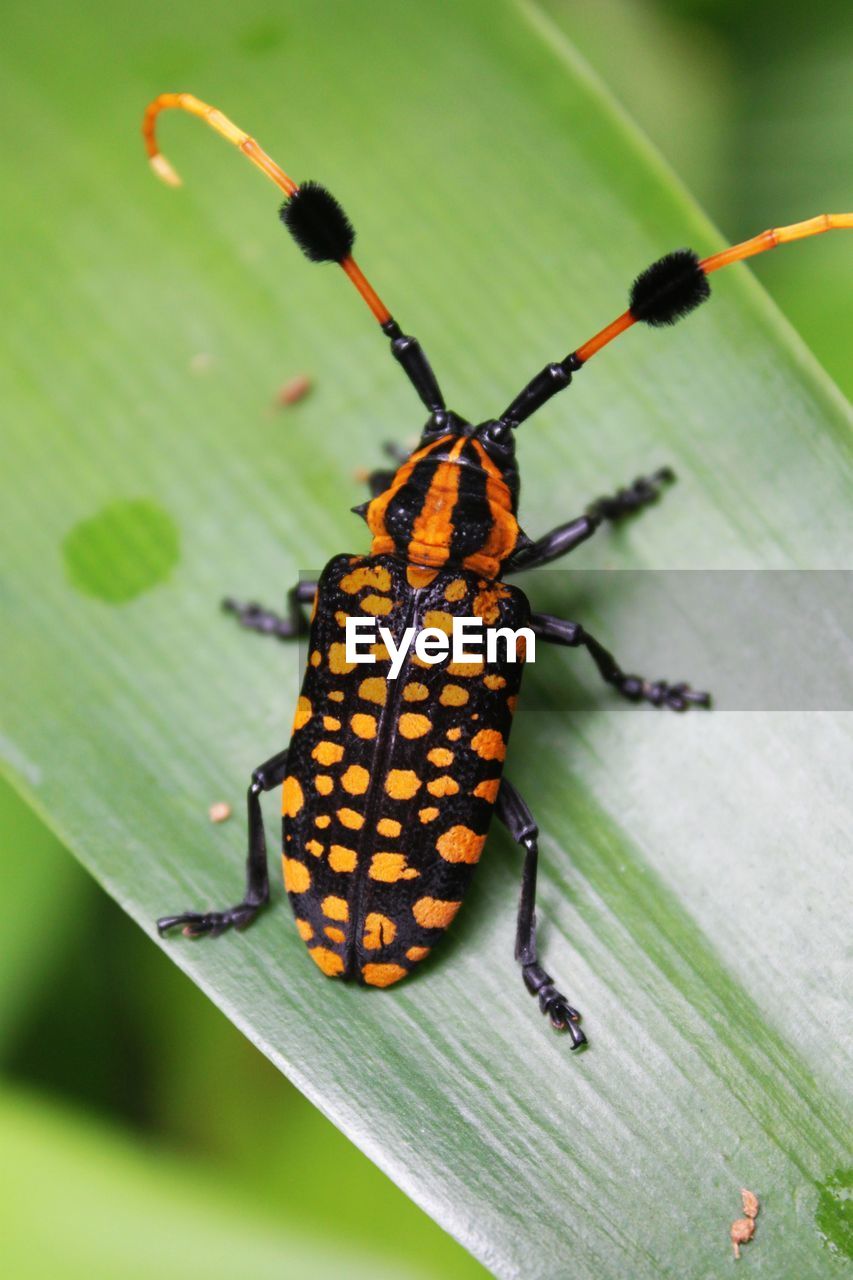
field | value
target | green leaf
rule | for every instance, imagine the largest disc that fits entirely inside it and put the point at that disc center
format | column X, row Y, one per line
column 114, row 1207
column 41, row 882
column 692, row 886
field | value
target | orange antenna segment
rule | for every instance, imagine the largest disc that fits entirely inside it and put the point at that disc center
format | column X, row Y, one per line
column 776, row 236
column 737, row 253
column 250, row 148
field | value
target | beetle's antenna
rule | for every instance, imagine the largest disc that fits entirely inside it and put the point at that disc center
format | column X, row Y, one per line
column 661, row 295
column 314, row 218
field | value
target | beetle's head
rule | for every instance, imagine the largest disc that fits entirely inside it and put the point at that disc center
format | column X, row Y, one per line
column 453, row 501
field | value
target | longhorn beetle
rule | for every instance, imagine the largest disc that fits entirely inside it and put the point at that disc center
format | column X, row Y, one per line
column 389, row 786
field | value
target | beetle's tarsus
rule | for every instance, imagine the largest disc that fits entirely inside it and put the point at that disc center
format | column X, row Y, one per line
column 642, row 492
column 661, row 693
column 199, row 924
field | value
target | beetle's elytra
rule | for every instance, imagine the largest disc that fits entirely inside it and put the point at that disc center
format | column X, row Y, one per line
column 389, row 786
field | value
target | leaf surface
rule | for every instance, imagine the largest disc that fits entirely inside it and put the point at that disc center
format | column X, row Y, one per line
column 692, row 886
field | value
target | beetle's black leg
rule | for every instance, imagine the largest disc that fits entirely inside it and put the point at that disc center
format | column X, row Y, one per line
column 660, row 693
column 560, row 541
column 519, row 822
column 256, row 618
column 195, row 923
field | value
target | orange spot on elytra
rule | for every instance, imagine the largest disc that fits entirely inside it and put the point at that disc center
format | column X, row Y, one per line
column 329, row 961
column 328, row 752
column 337, row 660
column 460, row 844
column 414, row 726
column 402, row 784
column 303, row 713
column 332, row 931
column 331, row 724
column 297, row 877
column 322, row 820
column 453, row 695
column 489, row 744
column 443, row 786
column 456, row 590
column 336, row 908
column 488, row 790
column 363, row 726
column 388, row 827
column 379, row 931
column 415, row 692
column 440, row 756
column 316, row 658
column 440, row 619
column 366, row 576
column 341, row 858
column 391, row 867
column 373, row 689
column 382, row 975
column 304, row 930
column 349, row 818
column 323, row 784
column 434, row 913
column 474, row 668
column 428, row 815
column 494, row 682
column 417, row 953
column 314, row 847
column 454, row 734
column 355, row 780
column 336, row 695
column 292, row 798
column 378, row 606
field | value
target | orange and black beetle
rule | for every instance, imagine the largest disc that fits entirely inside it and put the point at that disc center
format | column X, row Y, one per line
column 389, row 784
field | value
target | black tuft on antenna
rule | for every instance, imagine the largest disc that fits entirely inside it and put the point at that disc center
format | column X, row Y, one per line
column 318, row 224
column 669, row 289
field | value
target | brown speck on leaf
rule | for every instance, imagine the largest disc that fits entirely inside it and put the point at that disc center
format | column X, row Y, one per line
column 219, row 812
column 293, row 391
column 750, row 1203
column 201, row 362
column 742, row 1232
column 361, row 475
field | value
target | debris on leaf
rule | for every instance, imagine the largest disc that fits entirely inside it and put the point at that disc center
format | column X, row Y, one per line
column 201, row 362
column 294, row 391
column 744, row 1228
column 750, row 1203
column 219, row 812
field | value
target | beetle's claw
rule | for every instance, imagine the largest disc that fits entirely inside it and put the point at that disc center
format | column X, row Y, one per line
column 564, row 1018
column 197, row 924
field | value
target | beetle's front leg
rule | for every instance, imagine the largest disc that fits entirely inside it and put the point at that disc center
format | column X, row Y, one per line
column 195, row 923
column 519, row 822
column 660, row 693
column 641, row 493
column 254, row 617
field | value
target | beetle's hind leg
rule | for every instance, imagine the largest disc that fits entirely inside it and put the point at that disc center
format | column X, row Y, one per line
column 519, row 822
column 195, row 923
column 254, row 617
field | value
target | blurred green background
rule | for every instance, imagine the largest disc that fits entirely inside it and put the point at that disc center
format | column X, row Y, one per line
column 124, row 1088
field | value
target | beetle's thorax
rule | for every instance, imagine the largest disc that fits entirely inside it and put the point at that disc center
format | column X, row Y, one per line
column 448, row 505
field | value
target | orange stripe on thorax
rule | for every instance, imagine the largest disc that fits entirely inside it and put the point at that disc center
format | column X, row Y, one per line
column 433, row 526
column 379, row 505
column 503, row 533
